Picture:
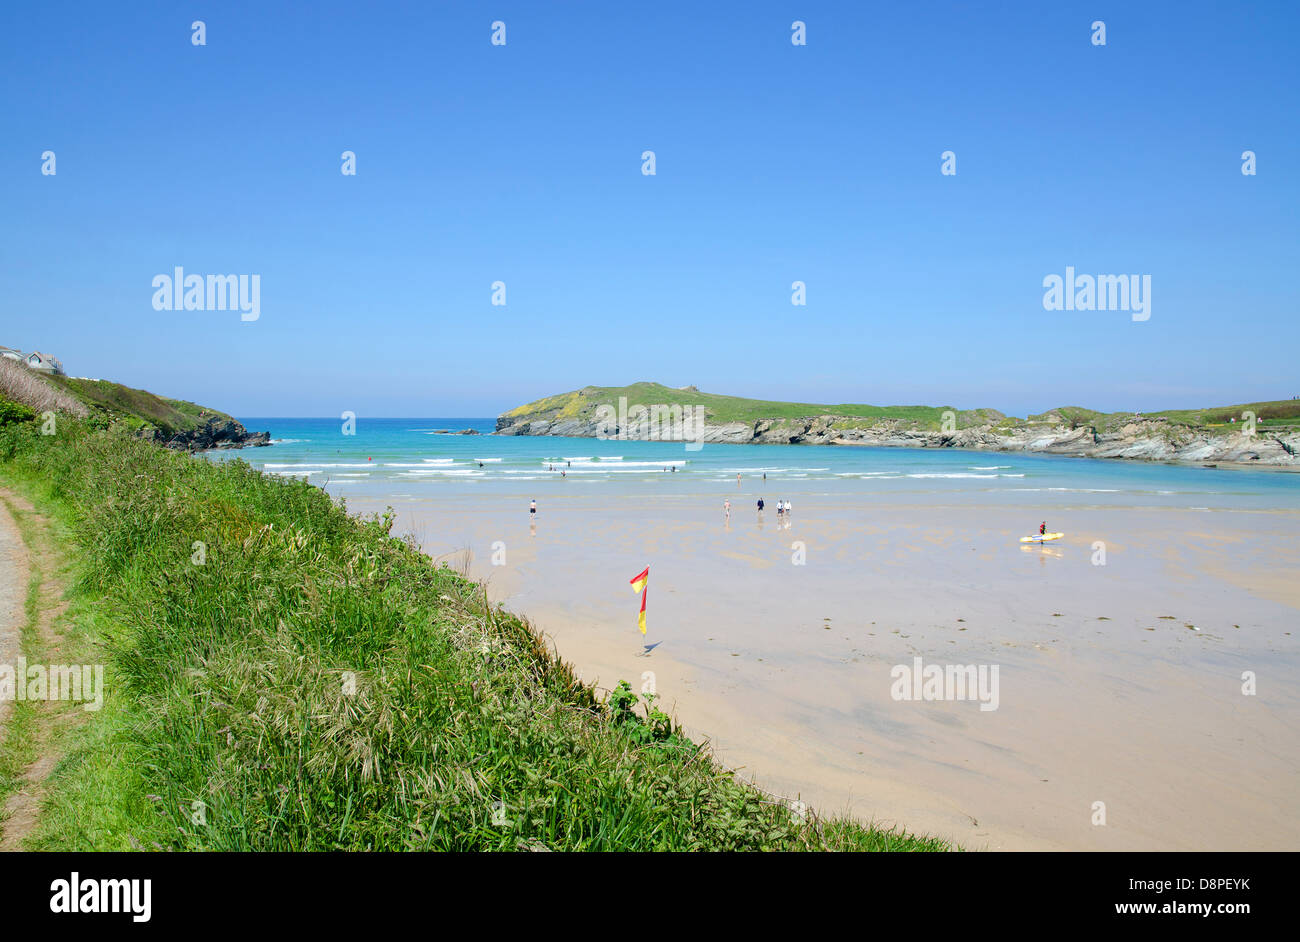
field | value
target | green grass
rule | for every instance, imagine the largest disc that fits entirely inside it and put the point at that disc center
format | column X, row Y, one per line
column 137, row 408
column 81, row 810
column 1213, row 420
column 12, row 412
column 1277, row 412
column 229, row 687
column 722, row 409
column 582, row 403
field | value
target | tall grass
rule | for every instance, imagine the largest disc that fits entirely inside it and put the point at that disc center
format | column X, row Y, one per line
column 24, row 385
column 309, row 682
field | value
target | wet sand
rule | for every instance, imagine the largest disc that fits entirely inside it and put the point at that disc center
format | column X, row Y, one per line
column 1105, row 692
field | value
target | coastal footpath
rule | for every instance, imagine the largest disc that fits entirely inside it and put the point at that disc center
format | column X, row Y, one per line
column 1263, row 433
column 281, row 675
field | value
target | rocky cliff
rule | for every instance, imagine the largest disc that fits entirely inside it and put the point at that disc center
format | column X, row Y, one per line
column 218, row 432
column 1061, row 432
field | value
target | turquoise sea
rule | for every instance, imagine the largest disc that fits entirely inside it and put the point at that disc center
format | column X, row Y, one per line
column 413, row 458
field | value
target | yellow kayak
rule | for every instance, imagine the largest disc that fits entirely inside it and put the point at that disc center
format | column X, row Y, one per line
column 1041, row 538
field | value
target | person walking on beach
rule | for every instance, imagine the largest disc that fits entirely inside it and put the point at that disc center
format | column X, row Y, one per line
column 532, row 510
column 787, row 508
column 1042, row 528
column 760, row 505
column 726, row 508
column 780, row 508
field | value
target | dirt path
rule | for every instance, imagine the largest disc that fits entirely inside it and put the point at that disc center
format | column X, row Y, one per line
column 21, row 560
column 13, row 596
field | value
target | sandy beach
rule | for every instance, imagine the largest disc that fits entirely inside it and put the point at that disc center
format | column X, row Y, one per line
column 1119, row 683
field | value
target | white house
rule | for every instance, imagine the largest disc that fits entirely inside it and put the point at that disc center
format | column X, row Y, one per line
column 44, row 362
column 12, row 354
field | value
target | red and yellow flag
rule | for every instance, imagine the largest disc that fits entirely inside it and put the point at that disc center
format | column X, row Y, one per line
column 639, row 585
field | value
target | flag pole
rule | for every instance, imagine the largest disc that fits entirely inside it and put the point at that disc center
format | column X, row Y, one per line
column 639, row 583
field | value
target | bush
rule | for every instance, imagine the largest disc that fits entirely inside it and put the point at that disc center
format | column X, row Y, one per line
column 12, row 412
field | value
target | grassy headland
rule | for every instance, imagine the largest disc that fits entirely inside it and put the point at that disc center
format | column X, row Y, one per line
column 283, row 676
column 723, row 410
column 1222, row 433
column 137, row 408
column 174, row 422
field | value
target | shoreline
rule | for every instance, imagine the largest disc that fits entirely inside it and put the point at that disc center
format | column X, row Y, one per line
column 1291, row 462
column 802, row 705
column 425, row 717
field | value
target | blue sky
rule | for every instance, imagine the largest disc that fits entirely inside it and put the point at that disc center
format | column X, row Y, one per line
column 775, row 163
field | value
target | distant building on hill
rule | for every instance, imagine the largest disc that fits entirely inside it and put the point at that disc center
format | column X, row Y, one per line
column 44, row 363
column 12, row 354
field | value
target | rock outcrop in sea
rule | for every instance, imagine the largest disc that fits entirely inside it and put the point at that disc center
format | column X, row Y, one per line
column 1144, row 438
column 216, row 433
